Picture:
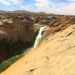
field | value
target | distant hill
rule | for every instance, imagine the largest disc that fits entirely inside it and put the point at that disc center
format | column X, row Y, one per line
column 1, row 11
column 20, row 11
column 17, row 11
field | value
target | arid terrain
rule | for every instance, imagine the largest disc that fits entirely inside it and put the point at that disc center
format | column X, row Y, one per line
column 53, row 56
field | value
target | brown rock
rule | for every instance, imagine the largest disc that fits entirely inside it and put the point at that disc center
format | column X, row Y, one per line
column 14, row 37
column 55, row 56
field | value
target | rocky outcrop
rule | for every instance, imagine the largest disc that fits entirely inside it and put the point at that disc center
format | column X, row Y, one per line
column 18, row 32
column 55, row 56
column 14, row 37
column 57, row 23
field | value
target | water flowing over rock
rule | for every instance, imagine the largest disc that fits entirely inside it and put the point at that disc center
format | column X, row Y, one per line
column 55, row 56
column 39, row 37
column 17, row 33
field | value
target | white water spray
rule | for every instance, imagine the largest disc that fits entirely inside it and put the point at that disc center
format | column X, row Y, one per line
column 39, row 36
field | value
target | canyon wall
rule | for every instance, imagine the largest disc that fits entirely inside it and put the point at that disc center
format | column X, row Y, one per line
column 14, row 37
column 18, row 32
column 55, row 56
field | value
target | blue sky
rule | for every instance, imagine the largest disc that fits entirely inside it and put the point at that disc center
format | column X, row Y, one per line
column 48, row 6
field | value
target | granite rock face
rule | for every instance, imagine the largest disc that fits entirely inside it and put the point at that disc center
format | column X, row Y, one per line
column 57, row 23
column 14, row 37
column 55, row 56
column 19, row 32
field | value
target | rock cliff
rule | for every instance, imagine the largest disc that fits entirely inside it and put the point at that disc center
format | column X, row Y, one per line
column 14, row 37
column 54, row 56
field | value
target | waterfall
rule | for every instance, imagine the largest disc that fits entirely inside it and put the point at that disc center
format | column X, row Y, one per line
column 39, row 36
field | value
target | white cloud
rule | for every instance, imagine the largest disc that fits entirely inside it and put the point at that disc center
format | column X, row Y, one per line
column 65, row 9
column 59, row 8
column 14, row 1
column 42, row 4
column 4, row 2
column 71, row 0
column 48, row 6
column 9, row 2
column 25, row 7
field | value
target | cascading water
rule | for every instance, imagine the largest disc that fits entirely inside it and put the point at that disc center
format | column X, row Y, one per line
column 37, row 41
column 39, row 36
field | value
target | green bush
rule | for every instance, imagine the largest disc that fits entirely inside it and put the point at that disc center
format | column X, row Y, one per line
column 5, row 64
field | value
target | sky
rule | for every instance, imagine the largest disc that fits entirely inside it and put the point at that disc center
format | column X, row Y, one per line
column 49, row 6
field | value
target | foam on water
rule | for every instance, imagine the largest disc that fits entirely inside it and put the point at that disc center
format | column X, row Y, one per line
column 39, row 36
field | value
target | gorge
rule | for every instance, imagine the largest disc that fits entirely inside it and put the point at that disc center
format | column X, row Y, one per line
column 20, row 36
